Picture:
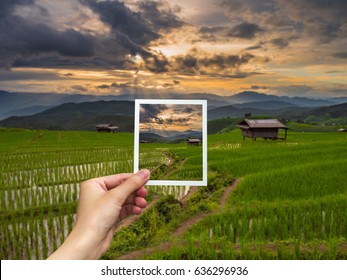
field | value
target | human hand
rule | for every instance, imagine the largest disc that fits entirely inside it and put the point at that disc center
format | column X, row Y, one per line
column 103, row 203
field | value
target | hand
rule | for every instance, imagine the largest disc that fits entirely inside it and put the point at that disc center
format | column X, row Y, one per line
column 103, row 203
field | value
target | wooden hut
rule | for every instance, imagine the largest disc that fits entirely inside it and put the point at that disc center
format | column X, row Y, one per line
column 106, row 128
column 193, row 142
column 267, row 129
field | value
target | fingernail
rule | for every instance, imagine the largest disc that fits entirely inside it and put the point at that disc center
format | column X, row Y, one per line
column 144, row 173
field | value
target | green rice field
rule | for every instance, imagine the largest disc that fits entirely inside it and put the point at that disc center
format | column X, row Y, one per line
column 291, row 201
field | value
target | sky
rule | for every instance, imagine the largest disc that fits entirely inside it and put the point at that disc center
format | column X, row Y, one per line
column 164, row 118
column 282, row 47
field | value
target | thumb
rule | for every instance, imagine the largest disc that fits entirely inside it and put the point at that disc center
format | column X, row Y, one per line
column 131, row 185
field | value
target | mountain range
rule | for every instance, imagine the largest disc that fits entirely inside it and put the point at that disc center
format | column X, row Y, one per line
column 22, row 104
column 78, row 116
column 85, row 115
column 170, row 136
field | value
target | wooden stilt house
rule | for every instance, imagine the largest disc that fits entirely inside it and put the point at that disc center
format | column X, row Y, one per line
column 267, row 129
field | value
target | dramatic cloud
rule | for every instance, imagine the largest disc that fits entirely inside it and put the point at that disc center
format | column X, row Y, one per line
column 23, row 40
column 150, row 112
column 245, row 30
column 320, row 19
column 172, row 117
column 28, row 43
column 198, row 62
column 138, row 46
column 7, row 6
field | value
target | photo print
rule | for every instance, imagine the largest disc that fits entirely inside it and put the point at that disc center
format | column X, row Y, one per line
column 171, row 141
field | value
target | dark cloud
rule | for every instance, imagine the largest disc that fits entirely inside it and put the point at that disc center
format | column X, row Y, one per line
column 122, row 20
column 29, row 43
column 321, row 20
column 23, row 40
column 236, row 75
column 104, row 86
column 244, row 30
column 256, row 47
column 69, row 75
column 280, row 42
column 117, row 85
column 188, row 110
column 79, row 88
column 142, row 26
column 255, row 87
column 283, row 42
column 170, row 85
column 198, row 62
column 177, row 121
column 149, row 112
column 7, row 6
column 340, row 55
column 160, row 15
column 156, row 62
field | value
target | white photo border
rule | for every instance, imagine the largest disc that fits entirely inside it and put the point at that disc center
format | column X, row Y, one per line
column 203, row 103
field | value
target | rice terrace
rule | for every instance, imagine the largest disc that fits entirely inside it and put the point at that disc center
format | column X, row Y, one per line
column 264, row 200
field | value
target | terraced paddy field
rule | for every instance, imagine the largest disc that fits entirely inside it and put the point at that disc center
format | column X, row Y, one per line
column 289, row 200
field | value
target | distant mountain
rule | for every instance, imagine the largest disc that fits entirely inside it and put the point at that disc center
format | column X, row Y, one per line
column 233, row 111
column 172, row 136
column 12, row 103
column 93, row 108
column 252, row 96
column 187, row 134
column 85, row 115
column 150, row 137
column 17, row 104
column 266, row 105
column 81, row 116
column 335, row 111
column 26, row 111
column 338, row 99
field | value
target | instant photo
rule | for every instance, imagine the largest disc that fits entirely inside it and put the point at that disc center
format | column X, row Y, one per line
column 171, row 141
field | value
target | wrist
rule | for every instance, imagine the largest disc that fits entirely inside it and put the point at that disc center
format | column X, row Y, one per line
column 77, row 246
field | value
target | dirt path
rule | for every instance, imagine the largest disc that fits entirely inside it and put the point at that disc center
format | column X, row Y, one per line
column 183, row 227
column 189, row 223
column 181, row 163
column 228, row 191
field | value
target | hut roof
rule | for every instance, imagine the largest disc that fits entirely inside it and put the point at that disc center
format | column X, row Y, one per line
column 193, row 140
column 107, row 125
column 268, row 123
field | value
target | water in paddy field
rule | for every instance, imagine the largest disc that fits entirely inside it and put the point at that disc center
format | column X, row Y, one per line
column 30, row 186
column 35, row 239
